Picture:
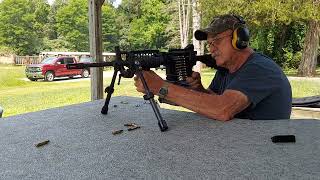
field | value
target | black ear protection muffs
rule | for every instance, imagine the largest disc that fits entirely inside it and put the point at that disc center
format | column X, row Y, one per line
column 240, row 35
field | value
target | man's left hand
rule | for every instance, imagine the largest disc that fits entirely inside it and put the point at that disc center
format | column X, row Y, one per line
column 153, row 81
column 195, row 82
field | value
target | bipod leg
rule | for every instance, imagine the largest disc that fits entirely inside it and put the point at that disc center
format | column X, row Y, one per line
column 109, row 90
column 149, row 96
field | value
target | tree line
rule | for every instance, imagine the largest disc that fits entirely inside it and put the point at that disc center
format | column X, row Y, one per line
column 287, row 30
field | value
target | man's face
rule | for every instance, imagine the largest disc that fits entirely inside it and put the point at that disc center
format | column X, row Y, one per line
column 221, row 48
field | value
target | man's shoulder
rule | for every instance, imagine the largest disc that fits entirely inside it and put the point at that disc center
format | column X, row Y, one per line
column 261, row 61
column 257, row 57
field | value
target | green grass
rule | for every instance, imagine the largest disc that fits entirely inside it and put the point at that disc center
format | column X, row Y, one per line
column 294, row 72
column 18, row 95
column 302, row 88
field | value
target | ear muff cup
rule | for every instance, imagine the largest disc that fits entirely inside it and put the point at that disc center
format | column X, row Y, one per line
column 240, row 38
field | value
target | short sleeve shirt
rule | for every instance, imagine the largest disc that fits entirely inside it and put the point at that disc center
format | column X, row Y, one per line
column 265, row 85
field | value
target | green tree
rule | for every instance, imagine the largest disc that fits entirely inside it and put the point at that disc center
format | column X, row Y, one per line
column 172, row 28
column 270, row 21
column 122, row 25
column 156, row 20
column 147, row 24
column 41, row 12
column 51, row 29
column 110, row 33
column 21, row 25
column 126, row 12
column 131, row 9
column 72, row 25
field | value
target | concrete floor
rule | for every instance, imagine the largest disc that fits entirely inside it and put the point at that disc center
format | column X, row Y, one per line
column 82, row 145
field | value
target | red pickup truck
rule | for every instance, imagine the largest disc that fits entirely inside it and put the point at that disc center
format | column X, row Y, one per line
column 53, row 67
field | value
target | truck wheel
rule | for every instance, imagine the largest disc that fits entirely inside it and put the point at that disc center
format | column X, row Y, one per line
column 85, row 73
column 49, row 76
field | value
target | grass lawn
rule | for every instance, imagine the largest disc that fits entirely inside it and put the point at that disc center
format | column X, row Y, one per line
column 19, row 95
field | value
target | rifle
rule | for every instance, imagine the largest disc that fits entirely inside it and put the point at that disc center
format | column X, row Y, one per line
column 178, row 64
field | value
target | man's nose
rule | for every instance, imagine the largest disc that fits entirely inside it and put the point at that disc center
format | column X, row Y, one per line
column 213, row 49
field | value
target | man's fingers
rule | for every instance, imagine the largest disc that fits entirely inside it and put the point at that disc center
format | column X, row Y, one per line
column 189, row 80
column 139, row 89
column 136, row 78
column 196, row 75
column 138, row 84
column 192, row 82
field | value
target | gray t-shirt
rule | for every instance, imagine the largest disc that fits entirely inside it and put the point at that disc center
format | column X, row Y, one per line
column 265, row 85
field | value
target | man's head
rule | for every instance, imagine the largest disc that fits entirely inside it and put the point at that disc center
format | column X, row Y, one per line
column 222, row 23
column 227, row 38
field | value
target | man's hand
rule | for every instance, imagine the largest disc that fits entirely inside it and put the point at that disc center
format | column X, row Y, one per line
column 154, row 82
column 195, row 82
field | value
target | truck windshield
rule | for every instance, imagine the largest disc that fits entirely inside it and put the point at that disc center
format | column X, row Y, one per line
column 49, row 60
column 86, row 59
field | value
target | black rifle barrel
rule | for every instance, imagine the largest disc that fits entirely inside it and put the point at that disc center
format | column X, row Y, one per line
column 207, row 60
column 146, row 62
column 86, row 65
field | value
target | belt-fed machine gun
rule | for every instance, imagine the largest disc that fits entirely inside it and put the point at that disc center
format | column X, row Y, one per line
column 178, row 64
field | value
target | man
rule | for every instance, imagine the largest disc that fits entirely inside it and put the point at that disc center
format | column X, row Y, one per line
column 247, row 85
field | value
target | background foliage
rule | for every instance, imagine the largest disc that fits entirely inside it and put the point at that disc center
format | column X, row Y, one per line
column 277, row 28
column 28, row 27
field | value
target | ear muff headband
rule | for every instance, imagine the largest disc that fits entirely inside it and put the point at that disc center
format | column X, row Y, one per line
column 240, row 35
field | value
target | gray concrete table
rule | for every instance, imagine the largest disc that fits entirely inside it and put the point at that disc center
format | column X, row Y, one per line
column 82, row 146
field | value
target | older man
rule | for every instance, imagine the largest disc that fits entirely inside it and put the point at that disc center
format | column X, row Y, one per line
column 250, row 85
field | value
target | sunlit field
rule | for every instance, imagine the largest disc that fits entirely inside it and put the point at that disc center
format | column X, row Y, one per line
column 19, row 95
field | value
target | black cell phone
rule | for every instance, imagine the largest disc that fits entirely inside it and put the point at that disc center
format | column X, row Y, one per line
column 284, row 139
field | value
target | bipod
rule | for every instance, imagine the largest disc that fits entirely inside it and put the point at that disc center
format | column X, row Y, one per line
column 149, row 96
column 109, row 90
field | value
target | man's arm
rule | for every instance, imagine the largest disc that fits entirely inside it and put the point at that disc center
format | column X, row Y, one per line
column 221, row 107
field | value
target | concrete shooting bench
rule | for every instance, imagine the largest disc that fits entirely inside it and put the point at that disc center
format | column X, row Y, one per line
column 82, row 145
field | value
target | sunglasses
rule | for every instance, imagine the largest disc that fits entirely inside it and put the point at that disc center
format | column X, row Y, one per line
column 216, row 41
